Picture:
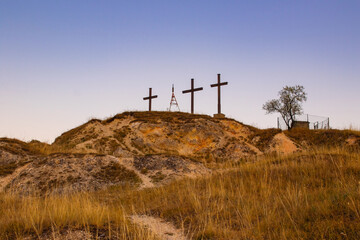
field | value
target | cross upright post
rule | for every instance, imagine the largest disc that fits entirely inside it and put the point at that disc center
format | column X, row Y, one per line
column 192, row 90
column 150, row 97
column 218, row 85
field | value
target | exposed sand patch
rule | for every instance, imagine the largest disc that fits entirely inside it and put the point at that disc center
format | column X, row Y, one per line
column 282, row 144
column 351, row 140
column 164, row 230
column 236, row 129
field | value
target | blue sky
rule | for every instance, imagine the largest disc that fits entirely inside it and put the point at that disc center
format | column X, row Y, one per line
column 64, row 62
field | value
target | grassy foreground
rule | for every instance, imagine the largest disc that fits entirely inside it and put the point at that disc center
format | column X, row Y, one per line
column 312, row 195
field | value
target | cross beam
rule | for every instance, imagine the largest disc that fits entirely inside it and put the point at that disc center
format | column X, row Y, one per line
column 192, row 90
column 150, row 97
column 218, row 85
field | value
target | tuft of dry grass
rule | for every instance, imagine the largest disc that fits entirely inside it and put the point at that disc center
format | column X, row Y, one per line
column 156, row 116
column 46, row 149
column 34, row 216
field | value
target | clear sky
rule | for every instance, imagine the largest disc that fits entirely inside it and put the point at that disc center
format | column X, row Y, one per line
column 64, row 62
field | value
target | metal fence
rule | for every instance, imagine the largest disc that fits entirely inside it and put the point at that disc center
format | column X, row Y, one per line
column 313, row 121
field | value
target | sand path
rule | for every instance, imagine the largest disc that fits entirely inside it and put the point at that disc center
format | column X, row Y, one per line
column 161, row 228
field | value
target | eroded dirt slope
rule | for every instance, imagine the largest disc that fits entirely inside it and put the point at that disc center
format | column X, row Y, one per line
column 70, row 172
column 143, row 149
column 141, row 133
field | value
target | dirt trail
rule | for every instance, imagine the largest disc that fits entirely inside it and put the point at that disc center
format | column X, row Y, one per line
column 164, row 230
column 129, row 164
column 6, row 180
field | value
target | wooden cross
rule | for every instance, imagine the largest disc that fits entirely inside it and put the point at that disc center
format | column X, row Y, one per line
column 149, row 98
column 218, row 85
column 192, row 90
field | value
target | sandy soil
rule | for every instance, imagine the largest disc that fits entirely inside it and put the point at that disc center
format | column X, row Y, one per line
column 351, row 140
column 164, row 230
column 282, row 144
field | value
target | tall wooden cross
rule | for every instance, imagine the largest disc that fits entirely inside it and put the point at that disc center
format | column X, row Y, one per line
column 150, row 97
column 218, row 85
column 192, row 90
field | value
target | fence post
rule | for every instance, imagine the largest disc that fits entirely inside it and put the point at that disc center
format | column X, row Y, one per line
column 278, row 124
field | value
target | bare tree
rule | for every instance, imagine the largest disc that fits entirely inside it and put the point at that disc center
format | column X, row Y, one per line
column 288, row 105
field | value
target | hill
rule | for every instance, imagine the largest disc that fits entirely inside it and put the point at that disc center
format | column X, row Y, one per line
column 145, row 175
column 152, row 147
column 172, row 133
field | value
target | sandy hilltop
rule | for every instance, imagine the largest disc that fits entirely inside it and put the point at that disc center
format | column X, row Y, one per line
column 145, row 149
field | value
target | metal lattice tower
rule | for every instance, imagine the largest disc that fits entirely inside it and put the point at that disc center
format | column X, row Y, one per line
column 173, row 101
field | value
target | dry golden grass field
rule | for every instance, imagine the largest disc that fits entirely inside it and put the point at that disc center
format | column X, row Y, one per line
column 308, row 195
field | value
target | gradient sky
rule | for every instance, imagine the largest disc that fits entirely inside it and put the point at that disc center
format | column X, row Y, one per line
column 64, row 62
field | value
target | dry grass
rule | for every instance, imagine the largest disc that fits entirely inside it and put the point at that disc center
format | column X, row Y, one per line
column 35, row 216
column 16, row 147
column 155, row 116
column 313, row 195
column 66, row 136
column 48, row 149
column 329, row 138
column 304, row 196
column 32, row 148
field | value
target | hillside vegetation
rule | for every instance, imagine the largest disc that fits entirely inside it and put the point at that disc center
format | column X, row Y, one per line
column 309, row 195
column 160, row 175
